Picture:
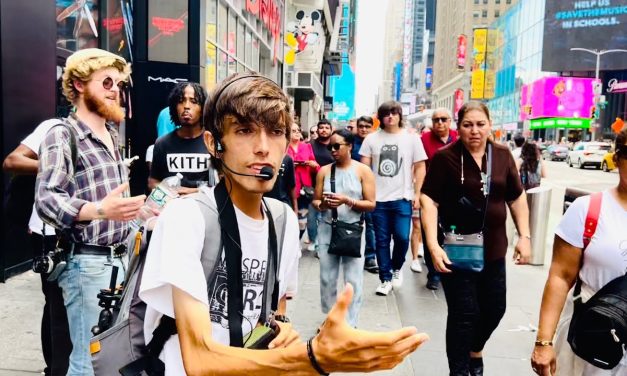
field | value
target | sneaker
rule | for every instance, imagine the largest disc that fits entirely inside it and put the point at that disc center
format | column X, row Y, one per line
column 397, row 278
column 433, row 284
column 371, row 266
column 421, row 250
column 311, row 247
column 384, row 288
column 416, row 266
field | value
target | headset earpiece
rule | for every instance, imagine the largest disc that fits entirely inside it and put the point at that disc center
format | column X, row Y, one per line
column 219, row 148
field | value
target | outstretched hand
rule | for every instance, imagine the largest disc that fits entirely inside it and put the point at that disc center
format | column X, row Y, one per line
column 339, row 347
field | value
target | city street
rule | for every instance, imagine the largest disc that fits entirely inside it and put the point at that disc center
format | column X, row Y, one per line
column 507, row 353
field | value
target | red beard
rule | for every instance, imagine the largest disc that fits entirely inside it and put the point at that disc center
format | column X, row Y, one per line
column 112, row 112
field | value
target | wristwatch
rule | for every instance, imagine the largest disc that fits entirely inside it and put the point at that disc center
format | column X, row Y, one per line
column 281, row 318
column 100, row 210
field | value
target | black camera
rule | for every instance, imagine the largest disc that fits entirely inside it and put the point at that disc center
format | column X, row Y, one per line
column 51, row 263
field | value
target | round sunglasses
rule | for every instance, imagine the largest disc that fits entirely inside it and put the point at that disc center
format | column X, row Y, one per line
column 107, row 83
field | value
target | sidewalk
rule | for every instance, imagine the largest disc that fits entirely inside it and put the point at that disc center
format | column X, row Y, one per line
column 507, row 351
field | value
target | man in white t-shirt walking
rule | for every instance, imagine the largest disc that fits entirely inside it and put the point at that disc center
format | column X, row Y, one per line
column 398, row 162
column 247, row 121
column 55, row 336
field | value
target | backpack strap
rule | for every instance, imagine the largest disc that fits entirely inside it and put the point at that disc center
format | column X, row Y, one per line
column 277, row 214
column 589, row 228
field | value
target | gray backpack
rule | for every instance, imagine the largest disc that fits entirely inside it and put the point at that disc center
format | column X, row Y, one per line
column 121, row 349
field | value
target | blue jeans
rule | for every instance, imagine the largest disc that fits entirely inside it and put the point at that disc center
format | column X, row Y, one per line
column 313, row 216
column 81, row 282
column 352, row 270
column 371, row 249
column 392, row 220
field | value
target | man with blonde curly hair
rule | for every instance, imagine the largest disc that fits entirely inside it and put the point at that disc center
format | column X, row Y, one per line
column 82, row 191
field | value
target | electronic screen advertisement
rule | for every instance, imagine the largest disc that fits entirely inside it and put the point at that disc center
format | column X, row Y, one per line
column 564, row 97
column 593, row 24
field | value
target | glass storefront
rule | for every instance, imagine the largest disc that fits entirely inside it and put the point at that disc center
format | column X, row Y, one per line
column 237, row 41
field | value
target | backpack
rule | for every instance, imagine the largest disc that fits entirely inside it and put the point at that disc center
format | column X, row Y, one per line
column 122, row 349
column 530, row 179
column 598, row 328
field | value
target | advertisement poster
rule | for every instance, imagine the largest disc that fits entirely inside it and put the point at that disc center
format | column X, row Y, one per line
column 458, row 103
column 342, row 89
column 490, row 64
column 563, row 97
column 479, row 46
column 462, row 46
column 428, row 78
column 596, row 24
column 304, row 39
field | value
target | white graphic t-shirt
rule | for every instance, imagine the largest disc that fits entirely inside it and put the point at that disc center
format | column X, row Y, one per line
column 393, row 156
column 33, row 141
column 174, row 260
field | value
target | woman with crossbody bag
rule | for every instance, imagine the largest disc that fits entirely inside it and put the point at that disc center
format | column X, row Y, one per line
column 590, row 253
column 344, row 191
column 468, row 187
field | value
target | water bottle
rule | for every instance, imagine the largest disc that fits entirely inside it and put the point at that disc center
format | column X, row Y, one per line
column 160, row 195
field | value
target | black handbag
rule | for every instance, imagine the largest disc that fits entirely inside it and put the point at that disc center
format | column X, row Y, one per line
column 598, row 328
column 305, row 191
column 345, row 237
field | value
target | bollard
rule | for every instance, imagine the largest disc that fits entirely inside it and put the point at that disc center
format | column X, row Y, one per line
column 539, row 201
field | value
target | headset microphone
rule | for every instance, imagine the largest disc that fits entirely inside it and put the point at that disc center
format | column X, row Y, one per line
column 266, row 172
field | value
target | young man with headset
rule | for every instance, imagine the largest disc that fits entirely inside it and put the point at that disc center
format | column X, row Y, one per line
column 247, row 121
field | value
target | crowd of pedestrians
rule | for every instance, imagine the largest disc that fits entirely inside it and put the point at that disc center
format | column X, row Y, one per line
column 358, row 197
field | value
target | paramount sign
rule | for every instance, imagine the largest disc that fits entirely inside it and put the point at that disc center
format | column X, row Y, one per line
column 615, row 86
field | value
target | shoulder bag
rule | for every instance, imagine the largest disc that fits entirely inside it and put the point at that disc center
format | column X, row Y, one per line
column 466, row 251
column 598, row 328
column 345, row 237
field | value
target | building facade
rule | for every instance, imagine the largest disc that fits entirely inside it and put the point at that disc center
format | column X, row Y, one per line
column 390, row 88
column 451, row 80
column 518, row 56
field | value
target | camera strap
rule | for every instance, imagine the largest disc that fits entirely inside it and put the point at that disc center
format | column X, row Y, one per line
column 233, row 257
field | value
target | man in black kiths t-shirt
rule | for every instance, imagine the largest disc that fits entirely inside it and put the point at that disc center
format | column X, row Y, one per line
column 183, row 150
column 283, row 188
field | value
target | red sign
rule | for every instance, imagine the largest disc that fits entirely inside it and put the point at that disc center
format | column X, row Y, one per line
column 168, row 26
column 113, row 25
column 268, row 12
column 459, row 102
column 462, row 44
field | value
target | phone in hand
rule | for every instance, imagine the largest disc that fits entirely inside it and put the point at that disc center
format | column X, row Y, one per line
column 328, row 194
column 261, row 337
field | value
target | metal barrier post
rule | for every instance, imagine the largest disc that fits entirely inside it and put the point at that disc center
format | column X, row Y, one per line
column 539, row 201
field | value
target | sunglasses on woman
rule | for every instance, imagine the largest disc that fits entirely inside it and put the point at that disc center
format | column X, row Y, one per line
column 335, row 147
column 391, row 112
column 107, row 83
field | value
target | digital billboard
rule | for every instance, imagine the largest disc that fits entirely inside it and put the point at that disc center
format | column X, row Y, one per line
column 590, row 24
column 563, row 97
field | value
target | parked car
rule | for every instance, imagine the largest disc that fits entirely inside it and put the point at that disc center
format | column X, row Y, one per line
column 588, row 154
column 555, row 153
column 608, row 162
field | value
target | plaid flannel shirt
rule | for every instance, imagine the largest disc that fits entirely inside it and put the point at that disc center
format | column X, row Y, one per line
column 61, row 190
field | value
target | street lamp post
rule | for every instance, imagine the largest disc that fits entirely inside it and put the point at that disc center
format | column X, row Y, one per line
column 598, row 54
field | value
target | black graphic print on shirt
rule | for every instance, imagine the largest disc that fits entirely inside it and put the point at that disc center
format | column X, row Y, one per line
column 389, row 161
column 253, row 278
